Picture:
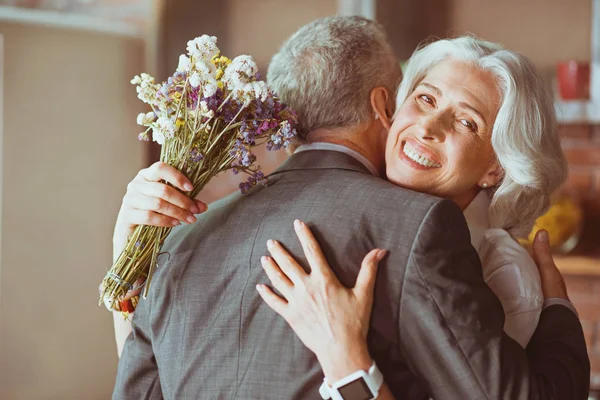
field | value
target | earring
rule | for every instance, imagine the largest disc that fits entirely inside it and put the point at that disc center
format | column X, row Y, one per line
column 485, row 185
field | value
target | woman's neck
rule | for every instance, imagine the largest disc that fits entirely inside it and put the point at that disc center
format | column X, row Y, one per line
column 464, row 199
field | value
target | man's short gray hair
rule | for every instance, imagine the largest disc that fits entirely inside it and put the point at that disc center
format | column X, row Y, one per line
column 327, row 69
column 524, row 135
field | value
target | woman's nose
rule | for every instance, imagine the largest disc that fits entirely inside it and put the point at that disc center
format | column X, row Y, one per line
column 432, row 128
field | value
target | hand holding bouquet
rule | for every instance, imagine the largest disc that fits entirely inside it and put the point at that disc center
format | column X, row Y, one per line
column 208, row 116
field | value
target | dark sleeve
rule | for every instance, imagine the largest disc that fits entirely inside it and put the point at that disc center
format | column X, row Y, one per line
column 137, row 376
column 451, row 326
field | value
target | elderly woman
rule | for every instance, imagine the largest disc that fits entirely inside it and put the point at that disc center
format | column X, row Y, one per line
column 476, row 125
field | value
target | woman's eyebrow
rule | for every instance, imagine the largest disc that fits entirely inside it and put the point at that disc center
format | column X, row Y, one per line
column 434, row 88
column 469, row 107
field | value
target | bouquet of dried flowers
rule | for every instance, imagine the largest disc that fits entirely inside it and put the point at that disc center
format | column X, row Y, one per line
column 207, row 117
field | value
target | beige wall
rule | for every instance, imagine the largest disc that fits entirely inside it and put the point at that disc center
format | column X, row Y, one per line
column 69, row 148
column 547, row 31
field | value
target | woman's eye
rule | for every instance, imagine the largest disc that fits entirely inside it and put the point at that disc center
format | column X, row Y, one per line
column 426, row 99
column 468, row 124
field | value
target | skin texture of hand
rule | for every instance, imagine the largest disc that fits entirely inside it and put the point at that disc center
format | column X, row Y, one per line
column 330, row 319
column 553, row 283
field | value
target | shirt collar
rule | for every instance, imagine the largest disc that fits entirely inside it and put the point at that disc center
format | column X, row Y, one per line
column 477, row 216
column 342, row 149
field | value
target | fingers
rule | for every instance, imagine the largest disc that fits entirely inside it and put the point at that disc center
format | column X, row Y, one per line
column 312, row 250
column 276, row 303
column 161, row 171
column 143, row 202
column 145, row 217
column 286, row 262
column 365, row 282
column 201, row 205
column 278, row 279
column 168, row 194
column 542, row 253
column 553, row 284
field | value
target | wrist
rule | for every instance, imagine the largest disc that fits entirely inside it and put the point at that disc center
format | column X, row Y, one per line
column 338, row 363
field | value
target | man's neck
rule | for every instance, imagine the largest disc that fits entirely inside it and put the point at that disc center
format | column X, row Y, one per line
column 349, row 140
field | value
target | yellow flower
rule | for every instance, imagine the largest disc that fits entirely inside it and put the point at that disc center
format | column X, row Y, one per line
column 179, row 122
column 220, row 85
column 219, row 61
column 219, row 73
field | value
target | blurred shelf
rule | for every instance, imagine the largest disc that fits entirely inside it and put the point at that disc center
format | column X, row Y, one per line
column 57, row 19
column 577, row 111
column 578, row 265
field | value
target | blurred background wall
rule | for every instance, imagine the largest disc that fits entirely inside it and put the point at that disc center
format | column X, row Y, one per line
column 69, row 148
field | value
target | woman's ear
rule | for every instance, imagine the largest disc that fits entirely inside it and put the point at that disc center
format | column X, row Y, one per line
column 380, row 104
column 492, row 176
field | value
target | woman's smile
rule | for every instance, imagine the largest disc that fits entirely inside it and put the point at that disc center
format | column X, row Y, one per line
column 418, row 156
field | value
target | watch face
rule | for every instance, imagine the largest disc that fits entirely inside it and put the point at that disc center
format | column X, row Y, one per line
column 356, row 390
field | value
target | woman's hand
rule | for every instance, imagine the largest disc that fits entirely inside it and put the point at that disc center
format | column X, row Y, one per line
column 330, row 319
column 150, row 201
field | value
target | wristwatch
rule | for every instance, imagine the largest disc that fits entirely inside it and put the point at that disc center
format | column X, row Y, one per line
column 360, row 385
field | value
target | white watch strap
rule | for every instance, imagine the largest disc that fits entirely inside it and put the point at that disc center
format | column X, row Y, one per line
column 325, row 390
column 374, row 375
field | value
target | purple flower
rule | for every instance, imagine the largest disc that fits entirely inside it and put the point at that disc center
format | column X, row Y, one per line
column 257, row 178
column 242, row 154
column 196, row 156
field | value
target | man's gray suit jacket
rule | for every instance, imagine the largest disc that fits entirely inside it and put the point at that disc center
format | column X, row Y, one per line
column 436, row 328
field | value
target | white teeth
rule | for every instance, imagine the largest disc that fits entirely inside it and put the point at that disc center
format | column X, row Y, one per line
column 420, row 159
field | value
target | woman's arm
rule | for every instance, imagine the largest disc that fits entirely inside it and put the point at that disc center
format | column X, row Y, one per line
column 330, row 319
column 150, row 200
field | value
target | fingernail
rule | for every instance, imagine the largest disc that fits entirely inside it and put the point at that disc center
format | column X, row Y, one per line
column 175, row 223
column 188, row 187
column 297, row 224
column 270, row 243
column 543, row 234
column 195, row 210
column 380, row 255
column 263, row 260
column 260, row 288
column 191, row 219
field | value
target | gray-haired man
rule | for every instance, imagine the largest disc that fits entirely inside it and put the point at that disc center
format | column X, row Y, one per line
column 204, row 332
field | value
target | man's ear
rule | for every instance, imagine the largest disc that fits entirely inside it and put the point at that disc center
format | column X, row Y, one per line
column 380, row 102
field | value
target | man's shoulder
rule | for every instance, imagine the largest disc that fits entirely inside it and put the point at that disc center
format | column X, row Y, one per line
column 357, row 189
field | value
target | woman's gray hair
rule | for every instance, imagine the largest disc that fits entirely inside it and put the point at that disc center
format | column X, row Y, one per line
column 327, row 69
column 524, row 135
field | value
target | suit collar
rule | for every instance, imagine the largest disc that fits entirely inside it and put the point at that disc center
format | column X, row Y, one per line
column 321, row 159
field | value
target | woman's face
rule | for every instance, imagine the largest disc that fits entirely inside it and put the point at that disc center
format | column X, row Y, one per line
column 440, row 141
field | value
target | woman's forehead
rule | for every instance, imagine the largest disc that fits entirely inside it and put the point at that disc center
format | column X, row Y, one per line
column 465, row 82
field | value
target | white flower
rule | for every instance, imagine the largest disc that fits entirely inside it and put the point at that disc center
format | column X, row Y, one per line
column 158, row 136
column 205, row 69
column 204, row 111
column 241, row 71
column 146, row 118
column 246, row 65
column 164, row 129
column 210, row 87
column 203, row 47
column 184, row 64
column 195, row 80
column 146, row 88
column 258, row 90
